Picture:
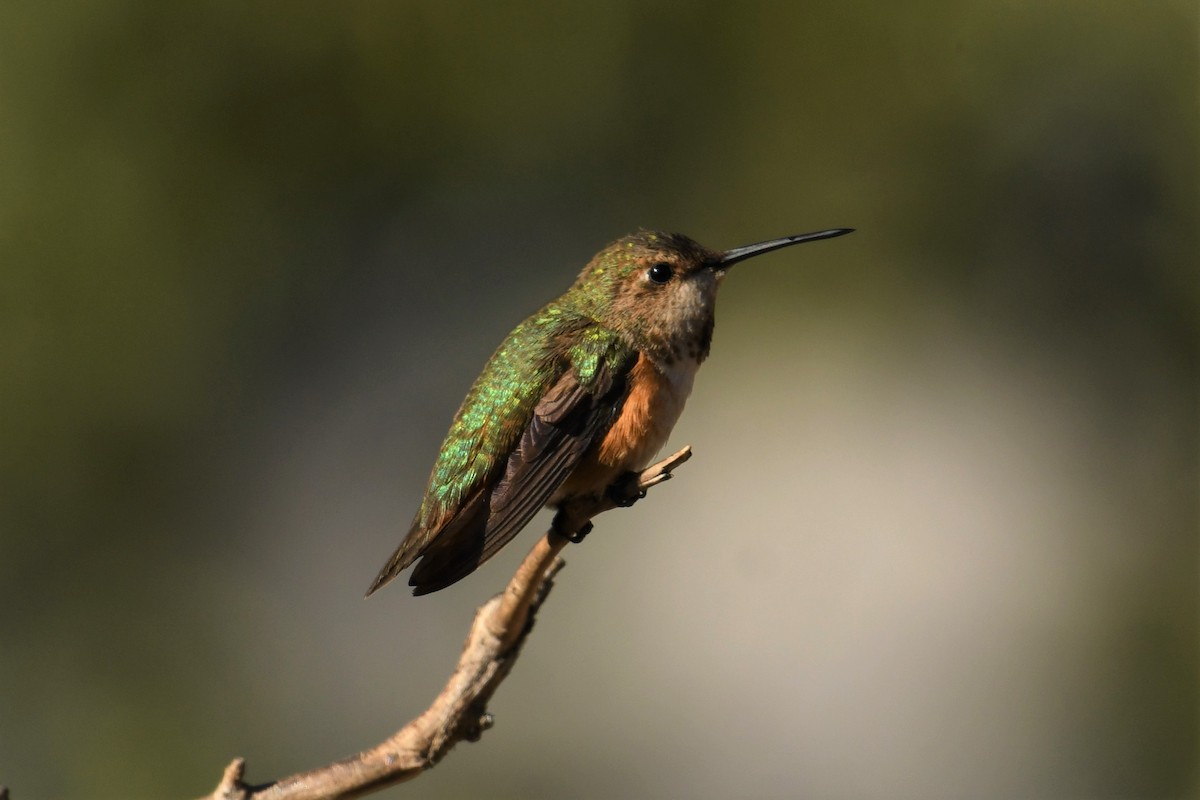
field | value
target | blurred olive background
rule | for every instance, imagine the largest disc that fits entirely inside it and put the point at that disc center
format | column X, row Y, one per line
column 940, row 536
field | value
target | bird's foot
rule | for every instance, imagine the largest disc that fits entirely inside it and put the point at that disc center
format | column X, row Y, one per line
column 624, row 491
column 578, row 536
column 564, row 527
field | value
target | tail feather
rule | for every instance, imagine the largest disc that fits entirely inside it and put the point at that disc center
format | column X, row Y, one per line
column 448, row 563
column 448, row 552
column 394, row 566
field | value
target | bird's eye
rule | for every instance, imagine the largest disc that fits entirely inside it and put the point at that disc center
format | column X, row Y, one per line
column 660, row 272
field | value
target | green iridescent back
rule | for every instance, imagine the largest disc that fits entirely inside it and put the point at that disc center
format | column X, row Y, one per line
column 501, row 402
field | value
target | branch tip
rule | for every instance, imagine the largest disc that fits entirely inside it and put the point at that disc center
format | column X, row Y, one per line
column 668, row 464
column 231, row 786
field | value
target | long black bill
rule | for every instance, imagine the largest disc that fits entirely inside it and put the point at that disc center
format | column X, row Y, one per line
column 731, row 257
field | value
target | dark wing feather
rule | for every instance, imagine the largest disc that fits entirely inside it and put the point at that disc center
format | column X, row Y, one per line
column 564, row 424
column 455, row 551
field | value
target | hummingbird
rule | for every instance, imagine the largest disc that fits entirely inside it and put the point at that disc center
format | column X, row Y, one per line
column 583, row 392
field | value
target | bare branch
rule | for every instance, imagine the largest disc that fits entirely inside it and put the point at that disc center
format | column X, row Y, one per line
column 460, row 711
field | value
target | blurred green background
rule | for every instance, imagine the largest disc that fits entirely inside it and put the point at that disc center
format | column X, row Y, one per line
column 940, row 536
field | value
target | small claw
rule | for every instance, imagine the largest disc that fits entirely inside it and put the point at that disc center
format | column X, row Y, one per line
column 579, row 535
column 624, row 491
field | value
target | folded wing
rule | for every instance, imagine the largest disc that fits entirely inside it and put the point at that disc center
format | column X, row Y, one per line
column 565, row 421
